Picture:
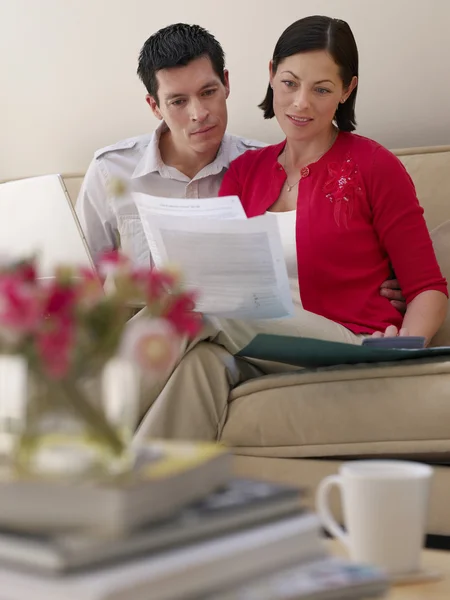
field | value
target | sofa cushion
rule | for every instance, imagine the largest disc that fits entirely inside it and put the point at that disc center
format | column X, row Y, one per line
column 441, row 243
column 380, row 409
column 73, row 185
column 429, row 168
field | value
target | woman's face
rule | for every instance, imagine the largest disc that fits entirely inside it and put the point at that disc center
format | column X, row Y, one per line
column 307, row 89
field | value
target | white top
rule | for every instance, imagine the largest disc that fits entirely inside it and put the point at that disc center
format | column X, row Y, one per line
column 286, row 224
column 137, row 161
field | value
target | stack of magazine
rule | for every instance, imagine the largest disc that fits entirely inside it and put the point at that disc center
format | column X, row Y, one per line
column 182, row 529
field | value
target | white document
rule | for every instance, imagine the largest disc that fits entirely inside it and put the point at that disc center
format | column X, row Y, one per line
column 226, row 207
column 236, row 265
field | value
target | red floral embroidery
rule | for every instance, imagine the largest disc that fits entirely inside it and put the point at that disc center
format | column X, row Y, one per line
column 341, row 189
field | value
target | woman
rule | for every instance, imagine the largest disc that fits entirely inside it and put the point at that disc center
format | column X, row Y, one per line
column 348, row 214
column 350, row 202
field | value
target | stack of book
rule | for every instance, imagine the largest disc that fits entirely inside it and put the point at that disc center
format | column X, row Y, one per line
column 183, row 529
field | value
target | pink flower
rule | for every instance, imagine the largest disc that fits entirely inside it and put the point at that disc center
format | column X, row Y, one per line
column 114, row 257
column 24, row 270
column 89, row 288
column 54, row 344
column 158, row 283
column 27, row 272
column 20, row 305
column 60, row 300
column 152, row 344
column 61, row 325
column 342, row 187
column 112, row 262
column 182, row 316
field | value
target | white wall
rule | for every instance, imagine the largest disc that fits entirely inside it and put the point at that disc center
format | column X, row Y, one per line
column 68, row 82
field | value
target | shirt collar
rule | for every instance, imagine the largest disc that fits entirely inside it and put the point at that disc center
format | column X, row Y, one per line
column 228, row 151
column 152, row 162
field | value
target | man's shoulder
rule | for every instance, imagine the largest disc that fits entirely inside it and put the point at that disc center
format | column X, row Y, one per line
column 247, row 143
column 134, row 144
column 236, row 145
column 255, row 154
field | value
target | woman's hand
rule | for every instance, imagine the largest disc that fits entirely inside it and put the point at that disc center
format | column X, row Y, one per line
column 391, row 331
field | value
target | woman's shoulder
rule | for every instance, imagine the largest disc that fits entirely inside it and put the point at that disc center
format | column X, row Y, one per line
column 373, row 159
column 362, row 147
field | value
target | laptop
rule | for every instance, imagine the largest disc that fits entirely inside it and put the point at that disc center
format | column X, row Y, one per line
column 37, row 217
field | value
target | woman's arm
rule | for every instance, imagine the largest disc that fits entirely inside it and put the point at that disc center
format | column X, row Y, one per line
column 425, row 314
column 401, row 228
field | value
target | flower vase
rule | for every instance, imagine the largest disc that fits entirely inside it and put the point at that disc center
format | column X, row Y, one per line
column 80, row 426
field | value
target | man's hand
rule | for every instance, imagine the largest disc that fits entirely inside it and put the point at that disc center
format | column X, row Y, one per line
column 391, row 331
column 390, row 289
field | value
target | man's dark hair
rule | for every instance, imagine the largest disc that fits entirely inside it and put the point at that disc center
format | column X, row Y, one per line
column 176, row 46
column 320, row 33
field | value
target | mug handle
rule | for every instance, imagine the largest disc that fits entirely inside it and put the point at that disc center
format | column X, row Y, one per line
column 328, row 521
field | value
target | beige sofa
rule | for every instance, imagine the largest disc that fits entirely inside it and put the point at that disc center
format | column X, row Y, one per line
column 297, row 427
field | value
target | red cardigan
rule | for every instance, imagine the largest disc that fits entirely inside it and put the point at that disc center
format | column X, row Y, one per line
column 357, row 217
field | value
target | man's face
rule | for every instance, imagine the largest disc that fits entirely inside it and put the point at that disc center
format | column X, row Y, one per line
column 192, row 102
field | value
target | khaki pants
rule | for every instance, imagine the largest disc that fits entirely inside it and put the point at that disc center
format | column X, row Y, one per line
column 193, row 403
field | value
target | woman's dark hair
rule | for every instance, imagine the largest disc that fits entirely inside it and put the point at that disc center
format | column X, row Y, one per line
column 176, row 46
column 320, row 33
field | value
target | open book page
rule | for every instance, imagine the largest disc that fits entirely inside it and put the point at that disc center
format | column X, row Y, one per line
column 237, row 265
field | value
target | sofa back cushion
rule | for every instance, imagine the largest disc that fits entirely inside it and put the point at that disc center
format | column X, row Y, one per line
column 441, row 243
column 428, row 167
column 430, row 171
column 73, row 185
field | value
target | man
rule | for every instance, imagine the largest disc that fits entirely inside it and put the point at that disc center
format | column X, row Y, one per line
column 182, row 68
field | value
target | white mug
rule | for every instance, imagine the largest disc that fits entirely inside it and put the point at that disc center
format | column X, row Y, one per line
column 385, row 506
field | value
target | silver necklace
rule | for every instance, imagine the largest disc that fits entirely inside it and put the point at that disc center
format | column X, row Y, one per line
column 288, row 185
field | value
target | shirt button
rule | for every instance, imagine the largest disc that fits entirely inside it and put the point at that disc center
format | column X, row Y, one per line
column 191, row 191
column 304, row 172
